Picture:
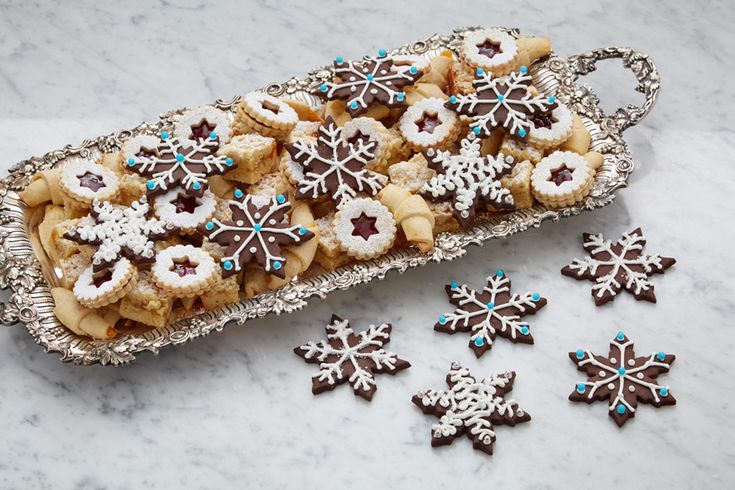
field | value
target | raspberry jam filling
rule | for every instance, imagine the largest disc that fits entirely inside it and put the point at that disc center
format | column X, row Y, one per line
column 201, row 131
column 357, row 137
column 184, row 268
column 489, row 48
column 428, row 123
column 185, row 204
column 91, row 181
column 364, row 226
column 561, row 175
column 542, row 120
column 100, row 278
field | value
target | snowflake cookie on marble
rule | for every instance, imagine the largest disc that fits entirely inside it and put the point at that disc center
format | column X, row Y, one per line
column 120, row 231
column 349, row 357
column 616, row 266
column 471, row 407
column 370, row 80
column 622, row 378
column 505, row 102
column 258, row 229
column 334, row 167
column 491, row 312
column 469, row 179
column 176, row 163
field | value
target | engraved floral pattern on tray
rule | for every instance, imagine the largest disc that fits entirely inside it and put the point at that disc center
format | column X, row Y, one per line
column 31, row 304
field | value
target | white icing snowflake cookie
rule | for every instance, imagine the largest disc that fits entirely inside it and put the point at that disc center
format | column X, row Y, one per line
column 96, row 289
column 428, row 124
column 185, row 211
column 550, row 129
column 492, row 49
column 184, row 271
column 198, row 124
column 364, row 228
column 562, row 179
column 84, row 181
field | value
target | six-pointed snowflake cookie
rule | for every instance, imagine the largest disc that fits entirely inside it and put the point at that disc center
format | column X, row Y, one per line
column 619, row 265
column 349, row 357
column 469, row 179
column 333, row 166
column 505, row 102
column 258, row 229
column 622, row 378
column 180, row 163
column 491, row 312
column 368, row 81
column 471, row 407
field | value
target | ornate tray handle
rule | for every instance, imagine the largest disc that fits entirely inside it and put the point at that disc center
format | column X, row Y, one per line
column 642, row 67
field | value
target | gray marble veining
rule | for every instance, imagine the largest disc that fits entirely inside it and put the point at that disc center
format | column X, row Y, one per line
column 235, row 410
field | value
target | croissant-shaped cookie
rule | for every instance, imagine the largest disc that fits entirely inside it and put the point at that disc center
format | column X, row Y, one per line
column 439, row 71
column 579, row 141
column 53, row 215
column 421, row 91
column 412, row 213
column 532, row 48
column 298, row 257
column 44, row 187
column 78, row 319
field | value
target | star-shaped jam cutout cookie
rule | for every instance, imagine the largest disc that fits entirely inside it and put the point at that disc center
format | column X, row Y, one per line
column 335, row 167
column 622, row 378
column 368, row 81
column 351, row 357
column 364, row 226
column 174, row 164
column 258, row 229
column 119, row 231
column 471, row 407
column 488, row 48
column 91, row 181
column 505, row 102
column 491, row 312
column 616, row 266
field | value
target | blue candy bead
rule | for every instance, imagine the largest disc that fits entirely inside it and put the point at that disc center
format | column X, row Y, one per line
column 454, row 285
column 339, row 60
column 131, row 161
column 227, row 265
column 663, row 391
column 579, row 353
column 621, row 371
column 238, row 193
column 490, row 306
column 479, row 342
column 522, row 133
column 413, row 70
column 323, row 87
column 179, row 157
column 501, row 97
column 280, row 198
column 524, row 70
column 276, row 265
column 581, row 387
column 500, row 273
column 150, row 185
column 400, row 96
column 302, row 230
column 620, row 409
column 164, row 135
column 209, row 225
column 552, row 99
column 442, row 320
column 661, row 356
column 620, row 336
column 524, row 330
column 480, row 71
column 476, row 130
column 229, row 162
column 257, row 227
column 370, row 77
column 213, row 135
column 453, row 99
column 353, row 105
column 382, row 53
column 196, row 186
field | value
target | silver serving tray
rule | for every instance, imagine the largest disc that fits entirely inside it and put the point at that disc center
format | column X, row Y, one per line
column 30, row 302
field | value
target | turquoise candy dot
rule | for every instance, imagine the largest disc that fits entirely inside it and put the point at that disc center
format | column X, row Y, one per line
column 536, row 296
column 353, row 104
column 579, row 353
column 501, row 97
column 621, row 371
column 524, row 70
column 339, row 60
column 621, row 409
column 413, row 70
column 479, row 342
column 400, row 96
column 524, row 330
column 552, row 99
column 164, row 135
column 480, row 71
column 209, row 225
column 454, row 285
column 382, row 53
column 661, row 356
column 150, row 185
column 257, row 227
column 323, row 87
column 581, row 387
column 453, row 99
column 179, row 157
column 131, row 161
column 370, row 77
column 280, row 198
column 476, row 130
column 522, row 133
column 229, row 162
column 663, row 391
column 227, row 265
column 500, row 272
column 620, row 336
column 238, row 193
column 213, row 135
column 196, row 186
column 276, row 265
column 302, row 230
column 442, row 319
column 490, row 306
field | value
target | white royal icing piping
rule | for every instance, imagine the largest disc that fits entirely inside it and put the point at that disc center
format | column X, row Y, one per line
column 408, row 123
column 194, row 117
column 166, row 211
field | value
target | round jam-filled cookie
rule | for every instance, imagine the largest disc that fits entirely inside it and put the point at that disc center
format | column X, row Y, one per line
column 183, row 210
column 198, row 124
column 369, row 130
column 184, row 271
column 364, row 228
column 269, row 111
column 492, row 49
column 142, row 145
column 428, row 124
column 95, row 289
column 551, row 128
column 562, row 179
column 84, row 181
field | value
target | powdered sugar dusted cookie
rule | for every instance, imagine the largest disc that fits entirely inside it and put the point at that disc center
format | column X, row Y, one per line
column 492, row 49
column 551, row 128
column 198, row 124
column 183, row 210
column 369, row 131
column 94, row 289
column 84, row 181
column 562, row 179
column 428, row 124
column 365, row 228
column 142, row 145
column 184, row 270
column 269, row 111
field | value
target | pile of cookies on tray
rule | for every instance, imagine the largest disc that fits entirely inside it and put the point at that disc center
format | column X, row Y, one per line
column 225, row 205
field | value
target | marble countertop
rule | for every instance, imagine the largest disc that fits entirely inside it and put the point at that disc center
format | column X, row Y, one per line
column 235, row 410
